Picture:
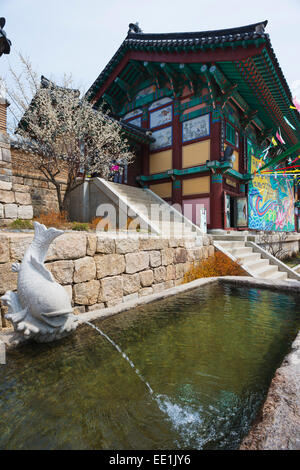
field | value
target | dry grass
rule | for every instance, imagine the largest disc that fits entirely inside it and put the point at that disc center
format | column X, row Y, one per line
column 216, row 265
column 54, row 219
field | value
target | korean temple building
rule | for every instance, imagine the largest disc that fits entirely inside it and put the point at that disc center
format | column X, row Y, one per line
column 199, row 109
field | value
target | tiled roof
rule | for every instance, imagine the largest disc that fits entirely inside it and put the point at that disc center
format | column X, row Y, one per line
column 165, row 42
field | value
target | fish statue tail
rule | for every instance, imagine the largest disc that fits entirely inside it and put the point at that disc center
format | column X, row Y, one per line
column 43, row 237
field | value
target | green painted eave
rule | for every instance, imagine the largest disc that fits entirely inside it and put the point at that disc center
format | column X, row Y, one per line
column 223, row 167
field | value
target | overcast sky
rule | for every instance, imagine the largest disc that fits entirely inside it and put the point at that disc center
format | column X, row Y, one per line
column 81, row 36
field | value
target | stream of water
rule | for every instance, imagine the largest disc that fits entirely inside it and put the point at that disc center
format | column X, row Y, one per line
column 123, row 355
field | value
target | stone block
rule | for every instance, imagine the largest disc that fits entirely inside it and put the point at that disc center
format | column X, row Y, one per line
column 21, row 188
column 127, row 245
column 155, row 259
column 188, row 243
column 145, row 291
column 8, row 279
column 4, row 249
column 25, row 212
column 79, row 309
column 136, row 262
column 62, row 271
column 99, row 306
column 18, row 246
column 167, row 256
column 68, row 246
column 152, row 243
column 160, row 274
column 169, row 284
column 146, row 278
column 6, row 155
column 18, row 180
column 109, row 265
column 11, row 211
column 91, row 244
column 7, row 197
column 84, row 269
column 1, row 211
column 23, row 198
column 158, row 287
column 86, row 293
column 180, row 255
column 175, row 242
column 114, row 302
column 111, row 289
column 179, row 270
column 105, row 245
column 5, row 185
column 131, row 283
column 170, row 272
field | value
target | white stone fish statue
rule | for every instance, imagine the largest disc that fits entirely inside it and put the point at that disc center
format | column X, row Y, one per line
column 41, row 309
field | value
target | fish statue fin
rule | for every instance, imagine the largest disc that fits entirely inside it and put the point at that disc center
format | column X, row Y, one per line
column 41, row 269
column 18, row 316
column 15, row 267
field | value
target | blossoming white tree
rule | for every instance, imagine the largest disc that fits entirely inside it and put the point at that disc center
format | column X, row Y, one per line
column 63, row 130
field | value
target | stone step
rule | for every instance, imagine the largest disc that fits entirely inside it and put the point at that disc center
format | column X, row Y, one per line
column 239, row 251
column 265, row 271
column 245, row 259
column 256, row 264
column 231, row 244
column 279, row 276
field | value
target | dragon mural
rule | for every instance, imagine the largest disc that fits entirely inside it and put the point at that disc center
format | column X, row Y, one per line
column 270, row 201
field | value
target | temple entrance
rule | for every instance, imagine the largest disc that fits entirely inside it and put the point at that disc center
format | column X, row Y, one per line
column 235, row 212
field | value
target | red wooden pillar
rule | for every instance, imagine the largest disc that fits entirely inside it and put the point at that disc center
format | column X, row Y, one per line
column 216, row 201
column 176, row 158
column 216, row 189
column 215, row 144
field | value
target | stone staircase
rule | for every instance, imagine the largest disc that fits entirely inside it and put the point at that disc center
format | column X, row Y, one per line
column 254, row 260
column 155, row 214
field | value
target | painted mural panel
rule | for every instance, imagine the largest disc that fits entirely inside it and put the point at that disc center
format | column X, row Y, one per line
column 145, row 92
column 160, row 102
column 137, row 121
column 195, row 128
column 161, row 117
column 270, row 200
column 163, row 138
column 133, row 113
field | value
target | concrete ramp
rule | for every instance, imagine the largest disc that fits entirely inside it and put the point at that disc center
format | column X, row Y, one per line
column 152, row 213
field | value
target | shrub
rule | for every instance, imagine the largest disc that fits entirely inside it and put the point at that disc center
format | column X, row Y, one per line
column 21, row 224
column 53, row 219
column 216, row 265
column 83, row 227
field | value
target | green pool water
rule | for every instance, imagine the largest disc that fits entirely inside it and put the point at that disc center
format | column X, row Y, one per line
column 209, row 356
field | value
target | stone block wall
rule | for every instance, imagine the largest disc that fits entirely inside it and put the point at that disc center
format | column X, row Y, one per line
column 100, row 271
column 27, row 179
column 15, row 201
column 24, row 191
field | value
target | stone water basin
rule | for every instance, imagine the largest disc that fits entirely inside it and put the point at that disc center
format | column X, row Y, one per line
column 209, row 355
